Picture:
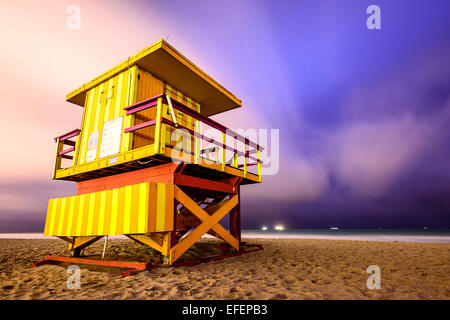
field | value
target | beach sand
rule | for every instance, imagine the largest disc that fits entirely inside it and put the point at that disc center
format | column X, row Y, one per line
column 285, row 269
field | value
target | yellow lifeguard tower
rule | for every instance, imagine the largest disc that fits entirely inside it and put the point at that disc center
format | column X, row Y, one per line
column 139, row 159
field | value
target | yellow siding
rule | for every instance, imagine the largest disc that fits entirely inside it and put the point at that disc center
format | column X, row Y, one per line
column 132, row 209
column 182, row 119
column 104, row 103
column 160, row 207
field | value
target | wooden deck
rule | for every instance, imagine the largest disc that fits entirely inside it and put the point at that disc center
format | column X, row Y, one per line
column 146, row 157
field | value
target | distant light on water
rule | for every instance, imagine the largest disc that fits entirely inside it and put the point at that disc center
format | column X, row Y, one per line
column 279, row 227
column 264, row 228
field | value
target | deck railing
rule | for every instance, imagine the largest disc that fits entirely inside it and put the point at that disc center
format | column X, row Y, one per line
column 241, row 159
column 61, row 153
column 161, row 101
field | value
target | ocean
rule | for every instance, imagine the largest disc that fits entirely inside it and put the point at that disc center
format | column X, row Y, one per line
column 392, row 235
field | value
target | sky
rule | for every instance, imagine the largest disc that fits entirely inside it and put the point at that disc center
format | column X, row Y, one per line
column 363, row 115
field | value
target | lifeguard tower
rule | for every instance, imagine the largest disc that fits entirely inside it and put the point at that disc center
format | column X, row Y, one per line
column 142, row 163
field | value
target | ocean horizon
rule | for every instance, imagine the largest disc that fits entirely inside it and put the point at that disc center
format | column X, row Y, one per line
column 385, row 235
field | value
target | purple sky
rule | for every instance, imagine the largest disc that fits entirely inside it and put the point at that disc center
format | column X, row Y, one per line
column 363, row 114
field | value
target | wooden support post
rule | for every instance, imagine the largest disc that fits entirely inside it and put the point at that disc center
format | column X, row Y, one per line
column 150, row 240
column 259, row 164
column 162, row 138
column 77, row 149
column 197, row 143
column 210, row 218
column 166, row 246
column 79, row 243
column 158, row 125
column 233, row 223
column 163, row 131
column 57, row 165
column 245, row 160
column 224, row 149
column 238, row 215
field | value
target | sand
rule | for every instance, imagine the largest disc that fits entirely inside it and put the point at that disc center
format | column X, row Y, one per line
column 285, row 269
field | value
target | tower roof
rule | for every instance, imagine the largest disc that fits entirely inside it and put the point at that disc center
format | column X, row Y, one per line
column 166, row 63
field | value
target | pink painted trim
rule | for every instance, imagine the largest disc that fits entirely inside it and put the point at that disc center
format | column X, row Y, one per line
column 140, row 108
column 140, row 126
column 142, row 105
column 205, row 138
column 143, row 102
column 68, row 135
column 66, row 151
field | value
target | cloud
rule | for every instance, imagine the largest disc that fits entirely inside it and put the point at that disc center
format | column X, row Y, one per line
column 368, row 157
column 30, row 196
column 385, row 133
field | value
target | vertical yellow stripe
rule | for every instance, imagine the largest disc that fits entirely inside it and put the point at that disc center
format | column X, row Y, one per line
column 158, row 125
column 93, row 229
column 111, row 102
column 168, row 135
column 81, row 213
column 108, row 96
column 124, row 93
column 85, row 125
column 55, row 212
column 131, row 98
column 259, row 165
column 160, row 206
column 108, row 211
column 86, row 215
column 170, row 210
column 245, row 159
column 114, row 209
column 143, row 208
column 152, row 206
column 97, row 107
column 70, row 218
column 92, row 108
column 51, row 204
column 127, row 210
column 104, row 103
column 189, row 122
column 62, row 216
column 90, row 216
column 101, row 219
column 134, row 208
column 127, row 119
column 76, row 210
column 115, row 94
column 77, row 148
column 119, row 95
column 120, row 211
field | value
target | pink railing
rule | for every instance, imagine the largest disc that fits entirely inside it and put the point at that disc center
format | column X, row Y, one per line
column 249, row 147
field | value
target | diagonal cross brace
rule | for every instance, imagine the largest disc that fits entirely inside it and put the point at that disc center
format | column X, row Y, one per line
column 210, row 221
